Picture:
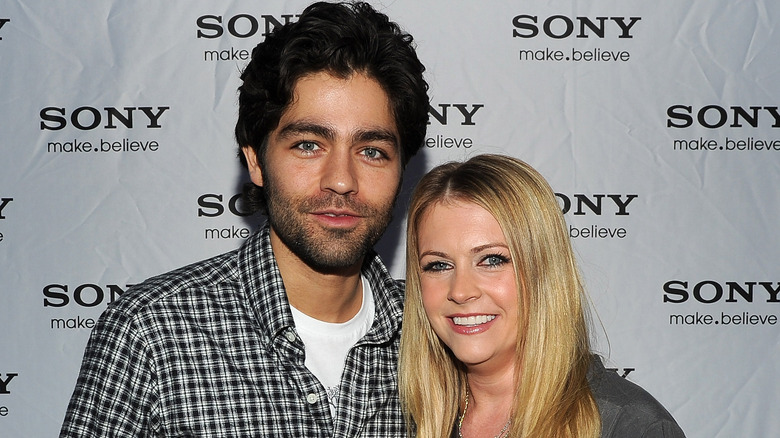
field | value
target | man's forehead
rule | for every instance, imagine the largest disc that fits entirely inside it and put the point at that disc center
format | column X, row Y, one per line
column 311, row 110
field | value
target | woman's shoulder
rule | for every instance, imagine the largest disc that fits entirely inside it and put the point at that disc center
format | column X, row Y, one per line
column 626, row 409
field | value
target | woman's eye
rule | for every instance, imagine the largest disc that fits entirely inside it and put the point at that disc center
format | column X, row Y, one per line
column 435, row 267
column 494, row 260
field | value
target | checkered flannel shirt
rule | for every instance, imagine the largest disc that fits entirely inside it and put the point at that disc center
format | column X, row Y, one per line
column 211, row 350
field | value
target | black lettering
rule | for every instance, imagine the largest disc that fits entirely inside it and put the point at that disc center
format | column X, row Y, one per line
column 697, row 292
column 205, row 203
column 441, row 117
column 568, row 26
column 625, row 27
column 270, row 20
column 773, row 111
column 681, row 293
column 597, row 29
column 5, row 381
column 115, row 291
column 154, row 117
column 773, row 291
column 50, row 291
column 518, row 22
column 622, row 206
column 740, row 112
column 113, row 113
column 233, row 206
column 736, row 287
column 561, row 26
column 3, row 203
column 78, row 298
column 74, row 118
column 722, row 116
column 211, row 23
column 626, row 371
column 253, row 26
column 467, row 115
column 2, row 23
column 675, row 112
column 566, row 202
column 49, row 114
column 583, row 200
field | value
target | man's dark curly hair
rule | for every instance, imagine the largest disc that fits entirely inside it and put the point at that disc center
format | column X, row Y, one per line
column 341, row 39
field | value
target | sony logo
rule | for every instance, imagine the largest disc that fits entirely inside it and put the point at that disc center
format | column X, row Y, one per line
column 4, row 381
column 3, row 203
column 85, row 295
column 715, row 116
column 561, row 26
column 210, row 205
column 2, row 23
column 626, row 371
column 441, row 115
column 240, row 25
column 711, row 291
column 594, row 203
column 86, row 118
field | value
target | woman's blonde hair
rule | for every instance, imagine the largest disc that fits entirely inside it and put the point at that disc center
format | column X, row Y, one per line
column 552, row 397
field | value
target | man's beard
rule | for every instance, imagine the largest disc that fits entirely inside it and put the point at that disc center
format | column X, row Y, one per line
column 323, row 249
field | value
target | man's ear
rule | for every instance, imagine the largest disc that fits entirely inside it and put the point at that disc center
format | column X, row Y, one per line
column 255, row 171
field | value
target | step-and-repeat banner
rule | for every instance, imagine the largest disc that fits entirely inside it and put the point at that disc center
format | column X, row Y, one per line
column 655, row 122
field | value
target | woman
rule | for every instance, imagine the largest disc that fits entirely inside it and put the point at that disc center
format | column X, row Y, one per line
column 494, row 340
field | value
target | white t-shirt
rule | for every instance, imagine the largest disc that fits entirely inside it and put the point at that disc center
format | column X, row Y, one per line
column 327, row 344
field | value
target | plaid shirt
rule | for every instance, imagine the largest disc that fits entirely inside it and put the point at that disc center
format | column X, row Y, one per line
column 211, row 350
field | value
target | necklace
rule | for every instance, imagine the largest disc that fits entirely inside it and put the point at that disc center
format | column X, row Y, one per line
column 463, row 415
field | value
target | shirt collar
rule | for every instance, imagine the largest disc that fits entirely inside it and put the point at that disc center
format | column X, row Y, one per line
column 264, row 288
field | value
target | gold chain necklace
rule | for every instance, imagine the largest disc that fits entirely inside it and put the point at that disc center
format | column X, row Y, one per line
column 501, row 434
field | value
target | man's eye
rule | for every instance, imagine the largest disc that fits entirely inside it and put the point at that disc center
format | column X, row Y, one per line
column 373, row 153
column 307, row 146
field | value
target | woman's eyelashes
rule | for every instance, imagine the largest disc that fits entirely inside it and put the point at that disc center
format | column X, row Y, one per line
column 494, row 260
column 435, row 266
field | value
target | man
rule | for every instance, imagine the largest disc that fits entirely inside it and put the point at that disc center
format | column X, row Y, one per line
column 296, row 333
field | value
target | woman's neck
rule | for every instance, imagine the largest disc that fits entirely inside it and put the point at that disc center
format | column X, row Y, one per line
column 490, row 403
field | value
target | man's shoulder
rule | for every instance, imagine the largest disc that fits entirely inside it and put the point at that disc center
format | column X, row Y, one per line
column 215, row 273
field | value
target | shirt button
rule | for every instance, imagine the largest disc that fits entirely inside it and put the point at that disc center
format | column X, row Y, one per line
column 312, row 398
column 290, row 336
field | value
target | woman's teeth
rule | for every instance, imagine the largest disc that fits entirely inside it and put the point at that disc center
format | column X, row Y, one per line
column 472, row 320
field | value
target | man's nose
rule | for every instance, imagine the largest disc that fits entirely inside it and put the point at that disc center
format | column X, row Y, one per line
column 339, row 175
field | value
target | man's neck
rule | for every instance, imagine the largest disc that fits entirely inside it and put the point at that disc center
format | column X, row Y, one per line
column 334, row 296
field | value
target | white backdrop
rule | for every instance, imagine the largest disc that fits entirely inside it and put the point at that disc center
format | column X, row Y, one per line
column 655, row 122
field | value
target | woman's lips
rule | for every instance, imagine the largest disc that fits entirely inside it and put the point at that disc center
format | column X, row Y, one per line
column 472, row 320
column 471, row 324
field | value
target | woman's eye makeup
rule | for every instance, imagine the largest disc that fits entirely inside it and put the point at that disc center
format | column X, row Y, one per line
column 494, row 260
column 434, row 266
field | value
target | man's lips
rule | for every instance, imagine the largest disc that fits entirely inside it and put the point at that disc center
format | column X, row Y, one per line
column 337, row 218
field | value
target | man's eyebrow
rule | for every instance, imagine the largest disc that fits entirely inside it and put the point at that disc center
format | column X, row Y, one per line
column 379, row 134
column 303, row 127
